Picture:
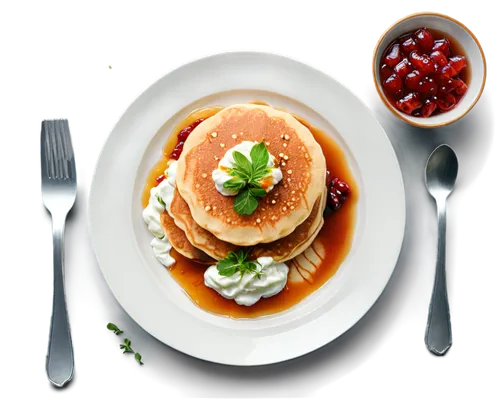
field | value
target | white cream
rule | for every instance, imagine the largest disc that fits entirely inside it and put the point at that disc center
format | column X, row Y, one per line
column 160, row 198
column 220, row 175
column 248, row 289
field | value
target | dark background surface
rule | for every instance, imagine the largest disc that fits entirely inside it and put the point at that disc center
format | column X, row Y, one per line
column 387, row 331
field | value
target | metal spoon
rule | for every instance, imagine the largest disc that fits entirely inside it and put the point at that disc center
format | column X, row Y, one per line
column 440, row 175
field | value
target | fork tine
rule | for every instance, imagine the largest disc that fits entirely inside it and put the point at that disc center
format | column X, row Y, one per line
column 60, row 159
column 68, row 150
column 48, row 148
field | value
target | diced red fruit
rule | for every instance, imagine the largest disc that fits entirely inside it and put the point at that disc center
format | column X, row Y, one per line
column 427, row 86
column 159, row 179
column 403, row 38
column 409, row 103
column 439, row 58
column 456, row 85
column 385, row 72
column 424, row 40
column 408, row 46
column 446, row 101
column 334, row 201
column 197, row 122
column 412, row 80
column 393, row 84
column 393, row 56
column 422, row 63
column 458, row 63
column 442, row 45
column 328, row 178
column 446, row 73
column 403, row 68
column 428, row 108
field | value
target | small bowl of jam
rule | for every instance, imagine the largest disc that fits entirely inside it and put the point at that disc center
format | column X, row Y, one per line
column 429, row 69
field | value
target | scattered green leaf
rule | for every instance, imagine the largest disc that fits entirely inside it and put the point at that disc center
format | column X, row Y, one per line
column 126, row 347
column 114, row 328
column 110, row 67
column 138, row 357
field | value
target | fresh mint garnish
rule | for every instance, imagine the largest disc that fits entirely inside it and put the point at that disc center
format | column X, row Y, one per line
column 126, row 347
column 246, row 177
column 235, row 262
column 114, row 328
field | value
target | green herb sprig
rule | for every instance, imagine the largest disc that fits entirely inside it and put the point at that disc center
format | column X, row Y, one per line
column 246, row 177
column 126, row 346
column 235, row 262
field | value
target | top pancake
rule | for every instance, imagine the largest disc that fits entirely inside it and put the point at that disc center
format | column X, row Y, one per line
column 283, row 208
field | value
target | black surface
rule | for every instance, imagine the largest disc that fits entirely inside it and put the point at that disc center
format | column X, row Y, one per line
column 385, row 332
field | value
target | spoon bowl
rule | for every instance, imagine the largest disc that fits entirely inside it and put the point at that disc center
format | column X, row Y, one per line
column 441, row 171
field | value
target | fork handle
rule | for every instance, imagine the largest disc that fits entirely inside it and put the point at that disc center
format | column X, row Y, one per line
column 59, row 363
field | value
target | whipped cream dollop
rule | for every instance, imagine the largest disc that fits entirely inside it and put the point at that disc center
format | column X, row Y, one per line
column 160, row 200
column 220, row 175
column 248, row 288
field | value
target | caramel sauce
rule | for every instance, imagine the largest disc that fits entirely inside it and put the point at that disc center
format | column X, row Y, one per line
column 335, row 236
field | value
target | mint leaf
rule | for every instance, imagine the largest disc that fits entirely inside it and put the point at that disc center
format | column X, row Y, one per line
column 260, row 158
column 235, row 184
column 114, row 328
column 257, row 192
column 245, row 202
column 138, row 357
column 237, row 262
column 242, row 166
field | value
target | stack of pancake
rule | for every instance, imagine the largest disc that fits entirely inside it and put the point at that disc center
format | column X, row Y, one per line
column 202, row 224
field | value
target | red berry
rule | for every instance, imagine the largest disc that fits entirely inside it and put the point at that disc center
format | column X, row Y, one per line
column 446, row 73
column 385, row 72
column 334, row 201
column 159, row 179
column 422, row 63
column 393, row 84
column 408, row 46
column 446, row 101
column 427, row 86
column 442, row 45
column 342, row 187
column 439, row 58
column 412, row 80
column 409, row 103
column 403, row 68
column 424, row 40
column 456, row 85
column 328, row 178
column 458, row 63
column 428, row 108
column 338, row 192
column 393, row 56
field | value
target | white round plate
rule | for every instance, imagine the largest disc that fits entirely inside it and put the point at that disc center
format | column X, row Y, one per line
column 146, row 290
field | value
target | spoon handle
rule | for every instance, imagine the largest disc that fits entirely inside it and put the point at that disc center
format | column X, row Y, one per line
column 438, row 332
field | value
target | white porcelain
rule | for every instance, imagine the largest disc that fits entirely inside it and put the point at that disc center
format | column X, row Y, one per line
column 147, row 291
column 473, row 51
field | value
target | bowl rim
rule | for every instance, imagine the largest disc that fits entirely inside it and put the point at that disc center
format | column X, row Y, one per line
column 382, row 95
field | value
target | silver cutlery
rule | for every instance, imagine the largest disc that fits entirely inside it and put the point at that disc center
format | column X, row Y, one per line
column 440, row 176
column 58, row 193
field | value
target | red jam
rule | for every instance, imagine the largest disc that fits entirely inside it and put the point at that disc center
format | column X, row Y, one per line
column 181, row 138
column 421, row 75
column 160, row 179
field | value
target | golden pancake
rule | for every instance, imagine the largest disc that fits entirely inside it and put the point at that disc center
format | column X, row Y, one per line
column 281, row 250
column 283, row 208
column 179, row 242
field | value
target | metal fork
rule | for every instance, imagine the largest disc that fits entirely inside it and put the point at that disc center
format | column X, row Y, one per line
column 58, row 193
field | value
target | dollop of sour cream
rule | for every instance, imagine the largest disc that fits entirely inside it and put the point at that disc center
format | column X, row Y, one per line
column 248, row 288
column 160, row 200
column 220, row 175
